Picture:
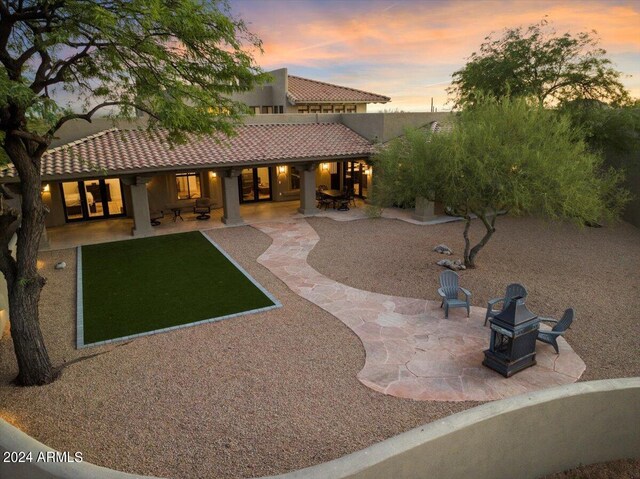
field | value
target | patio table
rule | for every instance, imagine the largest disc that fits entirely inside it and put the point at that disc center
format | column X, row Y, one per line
column 177, row 209
column 337, row 196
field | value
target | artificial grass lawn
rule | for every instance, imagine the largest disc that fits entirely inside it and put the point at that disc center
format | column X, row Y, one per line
column 135, row 286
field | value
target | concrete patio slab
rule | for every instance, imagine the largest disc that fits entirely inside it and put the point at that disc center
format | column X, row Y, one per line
column 412, row 351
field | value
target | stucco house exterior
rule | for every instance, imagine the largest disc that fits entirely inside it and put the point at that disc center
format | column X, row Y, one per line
column 101, row 170
column 293, row 94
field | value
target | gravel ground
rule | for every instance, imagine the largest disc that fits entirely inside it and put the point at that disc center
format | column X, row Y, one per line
column 594, row 270
column 625, row 469
column 272, row 392
column 259, row 394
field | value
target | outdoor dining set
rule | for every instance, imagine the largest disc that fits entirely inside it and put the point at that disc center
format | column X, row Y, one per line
column 337, row 199
column 514, row 328
column 201, row 208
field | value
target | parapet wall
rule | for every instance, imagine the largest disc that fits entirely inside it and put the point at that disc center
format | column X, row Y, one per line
column 524, row 437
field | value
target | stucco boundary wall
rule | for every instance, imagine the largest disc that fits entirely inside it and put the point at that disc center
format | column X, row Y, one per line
column 526, row 436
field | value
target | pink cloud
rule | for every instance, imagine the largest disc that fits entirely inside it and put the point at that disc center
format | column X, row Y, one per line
column 400, row 42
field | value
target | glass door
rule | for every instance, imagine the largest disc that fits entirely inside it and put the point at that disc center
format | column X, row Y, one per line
column 255, row 184
column 92, row 199
column 354, row 177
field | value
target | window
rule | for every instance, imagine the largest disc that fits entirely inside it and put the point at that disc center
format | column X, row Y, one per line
column 338, row 109
column 314, row 109
column 294, row 178
column 351, row 108
column 267, row 110
column 188, row 185
column 278, row 109
column 255, row 109
column 327, row 109
column 303, row 109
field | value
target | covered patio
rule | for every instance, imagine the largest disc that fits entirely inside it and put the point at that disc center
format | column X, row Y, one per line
column 115, row 229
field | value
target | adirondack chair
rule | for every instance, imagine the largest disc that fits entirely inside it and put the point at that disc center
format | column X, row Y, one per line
column 449, row 290
column 513, row 290
column 551, row 337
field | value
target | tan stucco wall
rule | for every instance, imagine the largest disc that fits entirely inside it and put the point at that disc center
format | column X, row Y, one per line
column 524, row 437
column 386, row 126
column 271, row 93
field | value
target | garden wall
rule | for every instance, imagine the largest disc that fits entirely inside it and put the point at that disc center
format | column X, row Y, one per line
column 526, row 436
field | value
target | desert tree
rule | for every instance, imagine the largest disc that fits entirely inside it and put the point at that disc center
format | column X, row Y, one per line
column 539, row 63
column 502, row 156
column 176, row 60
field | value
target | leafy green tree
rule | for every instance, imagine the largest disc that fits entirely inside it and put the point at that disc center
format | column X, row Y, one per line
column 501, row 156
column 176, row 60
column 615, row 133
column 536, row 62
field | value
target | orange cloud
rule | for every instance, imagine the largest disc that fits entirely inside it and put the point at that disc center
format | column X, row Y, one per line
column 409, row 45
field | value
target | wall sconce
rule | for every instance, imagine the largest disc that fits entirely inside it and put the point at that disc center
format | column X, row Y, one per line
column 367, row 171
column 46, row 188
column 282, row 169
column 324, row 166
column 213, row 174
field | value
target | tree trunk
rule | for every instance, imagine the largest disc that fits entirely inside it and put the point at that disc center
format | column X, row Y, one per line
column 470, row 256
column 467, row 241
column 24, row 284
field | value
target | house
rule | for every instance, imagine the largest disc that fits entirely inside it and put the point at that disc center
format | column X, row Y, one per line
column 286, row 93
column 98, row 172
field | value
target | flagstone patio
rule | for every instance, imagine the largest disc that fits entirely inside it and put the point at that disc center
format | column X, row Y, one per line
column 411, row 350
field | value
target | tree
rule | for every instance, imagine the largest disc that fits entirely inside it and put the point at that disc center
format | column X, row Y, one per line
column 500, row 156
column 175, row 60
column 537, row 63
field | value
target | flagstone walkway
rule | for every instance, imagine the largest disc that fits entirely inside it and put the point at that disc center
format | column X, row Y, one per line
column 411, row 350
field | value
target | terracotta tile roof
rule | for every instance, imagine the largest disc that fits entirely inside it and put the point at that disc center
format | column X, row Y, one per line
column 303, row 90
column 123, row 151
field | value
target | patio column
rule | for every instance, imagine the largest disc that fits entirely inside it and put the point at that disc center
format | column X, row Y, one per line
column 140, row 205
column 424, row 209
column 308, row 190
column 231, row 198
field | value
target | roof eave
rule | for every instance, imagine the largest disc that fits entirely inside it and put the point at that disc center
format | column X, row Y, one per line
column 210, row 166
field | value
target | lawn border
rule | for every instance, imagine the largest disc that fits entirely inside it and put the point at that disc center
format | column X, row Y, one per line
column 80, row 344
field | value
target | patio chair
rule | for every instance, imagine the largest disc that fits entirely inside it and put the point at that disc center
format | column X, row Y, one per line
column 202, row 208
column 551, row 337
column 513, row 290
column 322, row 200
column 155, row 217
column 351, row 196
column 449, row 290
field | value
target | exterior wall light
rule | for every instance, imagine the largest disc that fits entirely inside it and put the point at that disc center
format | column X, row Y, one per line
column 46, row 188
column 213, row 174
column 324, row 166
column 282, row 169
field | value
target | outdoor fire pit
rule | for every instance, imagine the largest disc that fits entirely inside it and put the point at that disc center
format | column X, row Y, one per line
column 513, row 339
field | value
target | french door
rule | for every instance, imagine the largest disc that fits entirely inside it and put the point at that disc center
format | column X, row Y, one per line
column 354, row 177
column 255, row 184
column 92, row 199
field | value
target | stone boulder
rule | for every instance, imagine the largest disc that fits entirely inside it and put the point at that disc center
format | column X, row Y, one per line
column 443, row 249
column 455, row 265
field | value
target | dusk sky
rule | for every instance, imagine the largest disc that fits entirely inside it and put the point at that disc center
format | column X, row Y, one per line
column 408, row 49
